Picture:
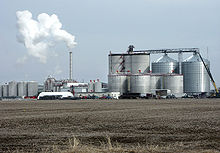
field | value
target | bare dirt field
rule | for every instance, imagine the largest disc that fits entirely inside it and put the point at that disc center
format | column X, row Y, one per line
column 180, row 125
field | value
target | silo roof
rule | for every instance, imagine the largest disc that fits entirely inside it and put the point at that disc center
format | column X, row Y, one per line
column 195, row 58
column 164, row 59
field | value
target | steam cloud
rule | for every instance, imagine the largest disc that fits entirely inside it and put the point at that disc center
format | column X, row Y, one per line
column 41, row 34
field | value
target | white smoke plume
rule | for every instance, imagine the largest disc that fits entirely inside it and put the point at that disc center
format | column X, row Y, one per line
column 38, row 36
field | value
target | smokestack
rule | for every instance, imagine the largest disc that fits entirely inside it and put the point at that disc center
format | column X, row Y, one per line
column 71, row 62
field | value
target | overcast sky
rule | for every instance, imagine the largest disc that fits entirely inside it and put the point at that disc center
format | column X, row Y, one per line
column 103, row 25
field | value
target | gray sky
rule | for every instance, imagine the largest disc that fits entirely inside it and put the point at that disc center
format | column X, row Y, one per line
column 103, row 25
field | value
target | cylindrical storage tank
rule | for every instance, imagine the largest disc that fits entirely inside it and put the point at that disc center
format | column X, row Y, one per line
column 12, row 89
column 32, row 88
column 4, row 90
column 173, row 82
column 22, row 89
column 118, row 83
column 116, row 62
column 140, row 83
column 156, row 81
column 165, row 65
column 195, row 77
column 127, row 63
column 0, row 90
column 140, row 63
column 98, row 86
column 90, row 86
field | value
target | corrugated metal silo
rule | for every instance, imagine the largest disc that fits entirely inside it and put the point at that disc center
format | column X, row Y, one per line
column 32, row 88
column 12, row 89
column 195, row 76
column 22, row 89
column 165, row 65
column 140, row 63
column 140, row 83
column 156, row 81
column 174, row 82
column 118, row 83
column 115, row 63
column 127, row 63
column 5, row 90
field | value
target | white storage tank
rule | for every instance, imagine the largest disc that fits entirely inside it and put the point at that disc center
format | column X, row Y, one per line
column 5, row 90
column 12, row 89
column 195, row 77
column 116, row 63
column 118, row 83
column 0, row 90
column 98, row 86
column 156, row 81
column 140, row 63
column 173, row 82
column 128, row 63
column 140, row 83
column 90, row 86
column 165, row 65
column 32, row 88
column 22, row 89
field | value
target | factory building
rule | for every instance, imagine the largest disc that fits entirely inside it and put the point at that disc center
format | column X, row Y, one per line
column 76, row 88
column 129, row 73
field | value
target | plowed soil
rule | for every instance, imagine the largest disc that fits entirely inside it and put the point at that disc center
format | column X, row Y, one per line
column 38, row 125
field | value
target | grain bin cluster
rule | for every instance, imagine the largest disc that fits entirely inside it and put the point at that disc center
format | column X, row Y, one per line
column 22, row 89
column 133, row 73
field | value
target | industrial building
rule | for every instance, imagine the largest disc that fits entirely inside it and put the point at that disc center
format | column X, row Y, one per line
column 133, row 73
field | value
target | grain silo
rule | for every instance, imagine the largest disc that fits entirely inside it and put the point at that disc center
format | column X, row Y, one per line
column 118, row 83
column 173, row 82
column 12, row 89
column 140, row 83
column 165, row 65
column 140, row 63
column 32, row 88
column 5, row 90
column 98, row 86
column 90, row 86
column 195, row 77
column 116, row 62
column 22, row 89
column 155, row 81
column 0, row 90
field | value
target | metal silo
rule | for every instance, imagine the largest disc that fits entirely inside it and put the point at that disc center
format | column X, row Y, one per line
column 156, row 81
column 5, row 90
column 195, row 77
column 98, row 86
column 127, row 63
column 173, row 82
column 140, row 83
column 22, row 89
column 140, row 63
column 12, row 89
column 90, row 86
column 118, row 83
column 32, row 88
column 165, row 65
column 116, row 62
column 0, row 90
